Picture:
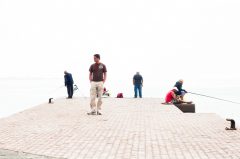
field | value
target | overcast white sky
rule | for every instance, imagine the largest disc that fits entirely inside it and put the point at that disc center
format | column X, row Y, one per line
column 164, row 40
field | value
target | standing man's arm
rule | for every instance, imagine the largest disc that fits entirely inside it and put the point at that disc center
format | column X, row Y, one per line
column 142, row 81
column 104, row 73
column 90, row 76
column 104, row 77
column 90, row 73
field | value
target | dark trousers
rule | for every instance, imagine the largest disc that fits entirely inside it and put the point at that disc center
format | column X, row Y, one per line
column 70, row 90
column 138, row 90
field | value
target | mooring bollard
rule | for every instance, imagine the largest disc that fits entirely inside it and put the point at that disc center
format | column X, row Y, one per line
column 232, row 125
column 50, row 101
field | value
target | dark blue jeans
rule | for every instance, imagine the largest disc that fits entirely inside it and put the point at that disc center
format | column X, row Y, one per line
column 70, row 90
column 138, row 90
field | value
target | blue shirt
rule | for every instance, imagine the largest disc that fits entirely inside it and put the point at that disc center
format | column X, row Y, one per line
column 138, row 79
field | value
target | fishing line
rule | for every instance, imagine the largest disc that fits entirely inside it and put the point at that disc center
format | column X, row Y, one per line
column 214, row 98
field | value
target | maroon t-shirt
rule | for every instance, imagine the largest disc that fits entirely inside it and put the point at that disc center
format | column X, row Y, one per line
column 97, row 70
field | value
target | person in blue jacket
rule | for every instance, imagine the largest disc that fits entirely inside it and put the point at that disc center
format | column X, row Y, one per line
column 69, row 84
column 180, row 92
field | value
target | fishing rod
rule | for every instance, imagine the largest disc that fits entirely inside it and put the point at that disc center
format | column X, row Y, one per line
column 214, row 97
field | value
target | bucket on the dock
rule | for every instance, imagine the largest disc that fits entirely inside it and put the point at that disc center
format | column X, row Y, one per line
column 120, row 95
column 75, row 87
column 186, row 108
column 50, row 101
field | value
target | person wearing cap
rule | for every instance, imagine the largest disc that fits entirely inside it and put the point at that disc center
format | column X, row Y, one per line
column 171, row 96
column 180, row 92
column 69, row 84
column 138, row 83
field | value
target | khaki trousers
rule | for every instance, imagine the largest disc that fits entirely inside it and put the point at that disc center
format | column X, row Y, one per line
column 96, row 91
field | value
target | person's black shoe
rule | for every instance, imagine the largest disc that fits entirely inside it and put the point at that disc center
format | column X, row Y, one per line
column 92, row 113
column 98, row 113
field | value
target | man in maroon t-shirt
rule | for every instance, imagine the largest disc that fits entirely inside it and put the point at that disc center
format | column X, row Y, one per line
column 97, row 77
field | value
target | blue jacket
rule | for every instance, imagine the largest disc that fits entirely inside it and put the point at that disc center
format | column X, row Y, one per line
column 68, row 79
column 138, row 80
column 179, row 87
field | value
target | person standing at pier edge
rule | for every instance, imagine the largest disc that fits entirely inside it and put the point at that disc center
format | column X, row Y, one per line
column 69, row 84
column 138, row 83
column 181, row 92
column 97, row 77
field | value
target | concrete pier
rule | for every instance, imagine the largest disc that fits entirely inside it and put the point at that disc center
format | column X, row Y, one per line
column 128, row 129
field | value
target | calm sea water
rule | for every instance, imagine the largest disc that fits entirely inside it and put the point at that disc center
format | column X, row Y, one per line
column 18, row 94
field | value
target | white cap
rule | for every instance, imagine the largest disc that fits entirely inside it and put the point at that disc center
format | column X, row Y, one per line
column 175, row 88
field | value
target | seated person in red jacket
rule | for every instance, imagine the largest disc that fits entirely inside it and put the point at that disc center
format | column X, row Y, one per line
column 173, row 98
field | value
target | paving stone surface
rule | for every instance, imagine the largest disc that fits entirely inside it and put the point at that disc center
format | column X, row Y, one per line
column 8, row 154
column 128, row 129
